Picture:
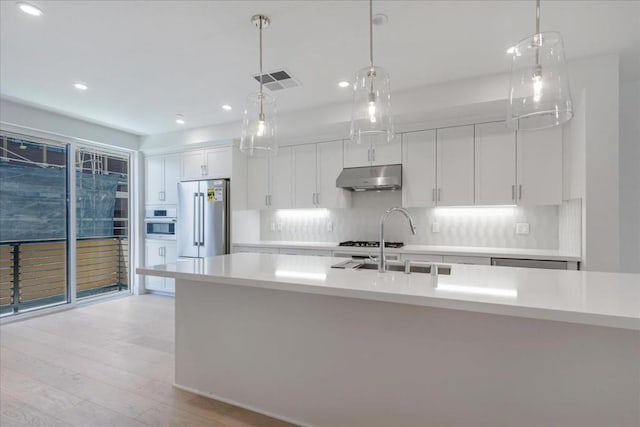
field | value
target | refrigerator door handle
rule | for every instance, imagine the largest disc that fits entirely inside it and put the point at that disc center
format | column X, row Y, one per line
column 201, row 219
column 196, row 220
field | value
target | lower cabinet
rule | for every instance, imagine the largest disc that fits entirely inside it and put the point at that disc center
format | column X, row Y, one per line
column 255, row 250
column 159, row 252
column 316, row 252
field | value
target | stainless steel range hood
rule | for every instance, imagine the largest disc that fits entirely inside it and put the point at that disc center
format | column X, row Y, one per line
column 371, row 178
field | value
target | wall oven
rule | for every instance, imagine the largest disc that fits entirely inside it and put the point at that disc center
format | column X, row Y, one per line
column 160, row 223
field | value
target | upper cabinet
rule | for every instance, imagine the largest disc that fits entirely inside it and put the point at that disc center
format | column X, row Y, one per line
column 161, row 179
column 206, row 164
column 372, row 154
column 316, row 167
column 539, row 167
column 419, row 169
column 270, row 181
column 455, row 159
column 495, row 164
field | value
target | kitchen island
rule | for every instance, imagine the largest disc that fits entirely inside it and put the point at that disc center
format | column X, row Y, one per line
column 291, row 337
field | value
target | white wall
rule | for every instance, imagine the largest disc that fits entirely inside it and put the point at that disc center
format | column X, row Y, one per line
column 630, row 176
column 21, row 118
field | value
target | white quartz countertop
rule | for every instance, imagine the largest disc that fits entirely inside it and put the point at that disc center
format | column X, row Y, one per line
column 537, row 254
column 593, row 298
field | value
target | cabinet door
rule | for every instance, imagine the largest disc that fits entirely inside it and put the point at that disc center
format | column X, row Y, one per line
column 356, row 155
column 304, row 176
column 192, row 165
column 218, row 162
column 329, row 166
column 387, row 153
column 455, row 166
column 419, row 169
column 171, row 178
column 495, row 164
column 257, row 182
column 281, row 194
column 170, row 255
column 153, row 256
column 539, row 167
column 154, row 191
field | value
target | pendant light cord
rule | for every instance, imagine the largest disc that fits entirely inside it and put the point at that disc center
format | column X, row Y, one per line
column 537, row 16
column 371, row 32
column 261, row 104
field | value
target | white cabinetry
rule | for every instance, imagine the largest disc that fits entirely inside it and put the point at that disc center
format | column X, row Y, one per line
column 161, row 179
column 270, row 181
column 455, row 166
column 419, row 169
column 372, row 154
column 539, row 167
column 316, row 167
column 495, row 164
column 159, row 252
column 203, row 164
column 305, row 176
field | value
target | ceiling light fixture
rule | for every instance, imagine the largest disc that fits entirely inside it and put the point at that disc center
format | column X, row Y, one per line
column 179, row 119
column 539, row 94
column 227, row 107
column 80, row 86
column 371, row 109
column 343, row 84
column 29, row 9
column 259, row 124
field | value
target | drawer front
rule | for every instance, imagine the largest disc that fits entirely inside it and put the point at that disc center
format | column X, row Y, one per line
column 422, row 257
column 316, row 252
column 475, row 260
column 255, row 250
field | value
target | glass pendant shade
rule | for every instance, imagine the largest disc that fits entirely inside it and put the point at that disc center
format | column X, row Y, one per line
column 258, row 137
column 539, row 95
column 371, row 109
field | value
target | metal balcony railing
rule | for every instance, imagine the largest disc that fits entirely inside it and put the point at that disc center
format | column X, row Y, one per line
column 34, row 273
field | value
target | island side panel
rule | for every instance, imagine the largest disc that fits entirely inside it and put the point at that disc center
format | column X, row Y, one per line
column 332, row 361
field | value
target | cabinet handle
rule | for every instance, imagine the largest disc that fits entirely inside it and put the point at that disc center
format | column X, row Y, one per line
column 317, row 198
column 520, row 192
column 513, row 192
column 159, row 251
column 369, row 154
column 204, row 170
column 438, row 194
column 161, row 195
column 433, row 195
column 269, row 199
column 313, row 198
column 373, row 151
column 266, row 200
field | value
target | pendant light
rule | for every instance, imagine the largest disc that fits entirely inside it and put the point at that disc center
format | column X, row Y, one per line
column 258, row 137
column 539, row 96
column 371, row 109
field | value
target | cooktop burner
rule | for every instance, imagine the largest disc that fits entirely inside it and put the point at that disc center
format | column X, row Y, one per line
column 371, row 244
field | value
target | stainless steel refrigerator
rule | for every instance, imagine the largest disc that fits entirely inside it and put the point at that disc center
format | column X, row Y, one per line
column 203, row 218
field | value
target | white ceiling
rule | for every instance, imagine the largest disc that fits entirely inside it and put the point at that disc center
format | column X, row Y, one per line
column 146, row 61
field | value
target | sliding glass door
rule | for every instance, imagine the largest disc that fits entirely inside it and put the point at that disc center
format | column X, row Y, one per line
column 33, row 224
column 44, row 188
column 102, row 222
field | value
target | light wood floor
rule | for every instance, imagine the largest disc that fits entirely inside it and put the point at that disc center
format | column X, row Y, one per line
column 107, row 364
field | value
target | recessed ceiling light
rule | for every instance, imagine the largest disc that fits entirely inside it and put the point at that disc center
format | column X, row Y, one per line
column 80, row 86
column 29, row 8
column 227, row 107
column 179, row 119
column 344, row 84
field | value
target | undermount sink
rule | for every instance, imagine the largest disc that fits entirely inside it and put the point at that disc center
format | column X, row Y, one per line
column 394, row 266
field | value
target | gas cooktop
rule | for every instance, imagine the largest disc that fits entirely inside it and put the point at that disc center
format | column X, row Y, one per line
column 370, row 244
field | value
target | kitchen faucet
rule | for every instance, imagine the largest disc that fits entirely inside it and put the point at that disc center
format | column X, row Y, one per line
column 382, row 262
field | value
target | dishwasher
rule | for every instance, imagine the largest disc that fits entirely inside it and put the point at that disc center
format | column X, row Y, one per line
column 530, row 263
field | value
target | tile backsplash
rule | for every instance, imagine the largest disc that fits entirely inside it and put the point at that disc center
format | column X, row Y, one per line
column 458, row 226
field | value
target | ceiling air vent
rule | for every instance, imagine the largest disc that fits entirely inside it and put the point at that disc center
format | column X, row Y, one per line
column 277, row 80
